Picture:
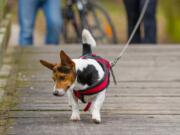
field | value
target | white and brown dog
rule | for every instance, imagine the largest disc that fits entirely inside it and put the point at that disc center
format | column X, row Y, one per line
column 85, row 78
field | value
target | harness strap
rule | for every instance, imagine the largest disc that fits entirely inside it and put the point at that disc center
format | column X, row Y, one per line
column 87, row 107
column 81, row 97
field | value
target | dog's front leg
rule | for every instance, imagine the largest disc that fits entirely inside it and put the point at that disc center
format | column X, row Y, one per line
column 96, row 106
column 69, row 95
column 75, row 107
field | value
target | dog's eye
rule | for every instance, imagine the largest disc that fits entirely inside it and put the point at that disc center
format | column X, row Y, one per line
column 62, row 78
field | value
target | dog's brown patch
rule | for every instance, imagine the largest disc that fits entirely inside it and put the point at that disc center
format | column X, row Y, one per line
column 64, row 73
column 64, row 78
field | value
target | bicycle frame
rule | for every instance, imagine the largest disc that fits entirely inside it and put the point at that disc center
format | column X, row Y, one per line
column 70, row 16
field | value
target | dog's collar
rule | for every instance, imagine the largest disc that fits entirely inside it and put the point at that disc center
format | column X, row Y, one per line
column 98, row 86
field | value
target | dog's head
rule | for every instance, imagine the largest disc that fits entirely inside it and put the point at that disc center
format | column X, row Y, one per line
column 64, row 73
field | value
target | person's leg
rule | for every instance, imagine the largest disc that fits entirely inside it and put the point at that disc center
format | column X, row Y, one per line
column 150, row 32
column 27, row 14
column 132, row 8
column 53, row 16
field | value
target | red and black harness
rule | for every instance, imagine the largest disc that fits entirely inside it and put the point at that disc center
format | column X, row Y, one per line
column 98, row 86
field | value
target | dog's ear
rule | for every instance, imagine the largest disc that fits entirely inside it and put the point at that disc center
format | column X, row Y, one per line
column 66, row 60
column 47, row 64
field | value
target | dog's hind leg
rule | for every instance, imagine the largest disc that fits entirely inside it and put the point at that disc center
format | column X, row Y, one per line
column 88, row 42
column 96, row 107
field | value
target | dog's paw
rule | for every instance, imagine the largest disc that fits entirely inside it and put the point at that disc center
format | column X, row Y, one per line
column 75, row 117
column 97, row 121
column 96, row 117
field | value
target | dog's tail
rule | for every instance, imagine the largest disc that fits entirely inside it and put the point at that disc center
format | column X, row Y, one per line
column 88, row 42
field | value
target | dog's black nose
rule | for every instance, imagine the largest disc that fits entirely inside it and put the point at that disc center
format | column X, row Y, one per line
column 55, row 93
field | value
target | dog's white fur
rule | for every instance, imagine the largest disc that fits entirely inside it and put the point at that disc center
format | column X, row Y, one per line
column 98, row 99
column 88, row 38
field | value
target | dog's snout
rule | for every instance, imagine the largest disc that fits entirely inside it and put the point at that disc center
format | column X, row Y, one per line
column 59, row 92
column 55, row 93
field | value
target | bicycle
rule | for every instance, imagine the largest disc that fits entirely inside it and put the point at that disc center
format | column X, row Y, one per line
column 80, row 14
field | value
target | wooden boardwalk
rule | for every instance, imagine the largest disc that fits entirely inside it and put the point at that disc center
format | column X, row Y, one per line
column 146, row 100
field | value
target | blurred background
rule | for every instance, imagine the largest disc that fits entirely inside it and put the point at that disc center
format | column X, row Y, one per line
column 168, row 21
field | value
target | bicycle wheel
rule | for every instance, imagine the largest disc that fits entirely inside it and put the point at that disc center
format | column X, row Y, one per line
column 97, row 20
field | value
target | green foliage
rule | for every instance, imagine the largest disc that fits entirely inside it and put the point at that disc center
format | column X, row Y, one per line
column 171, row 11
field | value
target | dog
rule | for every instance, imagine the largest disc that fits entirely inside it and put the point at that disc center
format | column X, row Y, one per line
column 85, row 78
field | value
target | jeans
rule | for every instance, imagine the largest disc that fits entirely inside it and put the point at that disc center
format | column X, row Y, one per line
column 134, row 8
column 27, row 14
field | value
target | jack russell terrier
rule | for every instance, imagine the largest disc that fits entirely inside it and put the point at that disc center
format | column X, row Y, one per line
column 85, row 79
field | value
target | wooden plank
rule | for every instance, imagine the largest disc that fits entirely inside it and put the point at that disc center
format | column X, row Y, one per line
column 163, row 73
column 141, row 92
column 120, row 85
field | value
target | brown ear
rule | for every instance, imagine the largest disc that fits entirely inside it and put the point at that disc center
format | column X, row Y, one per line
column 47, row 64
column 66, row 60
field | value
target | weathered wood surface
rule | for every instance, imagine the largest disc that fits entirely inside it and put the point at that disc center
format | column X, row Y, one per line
column 146, row 100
